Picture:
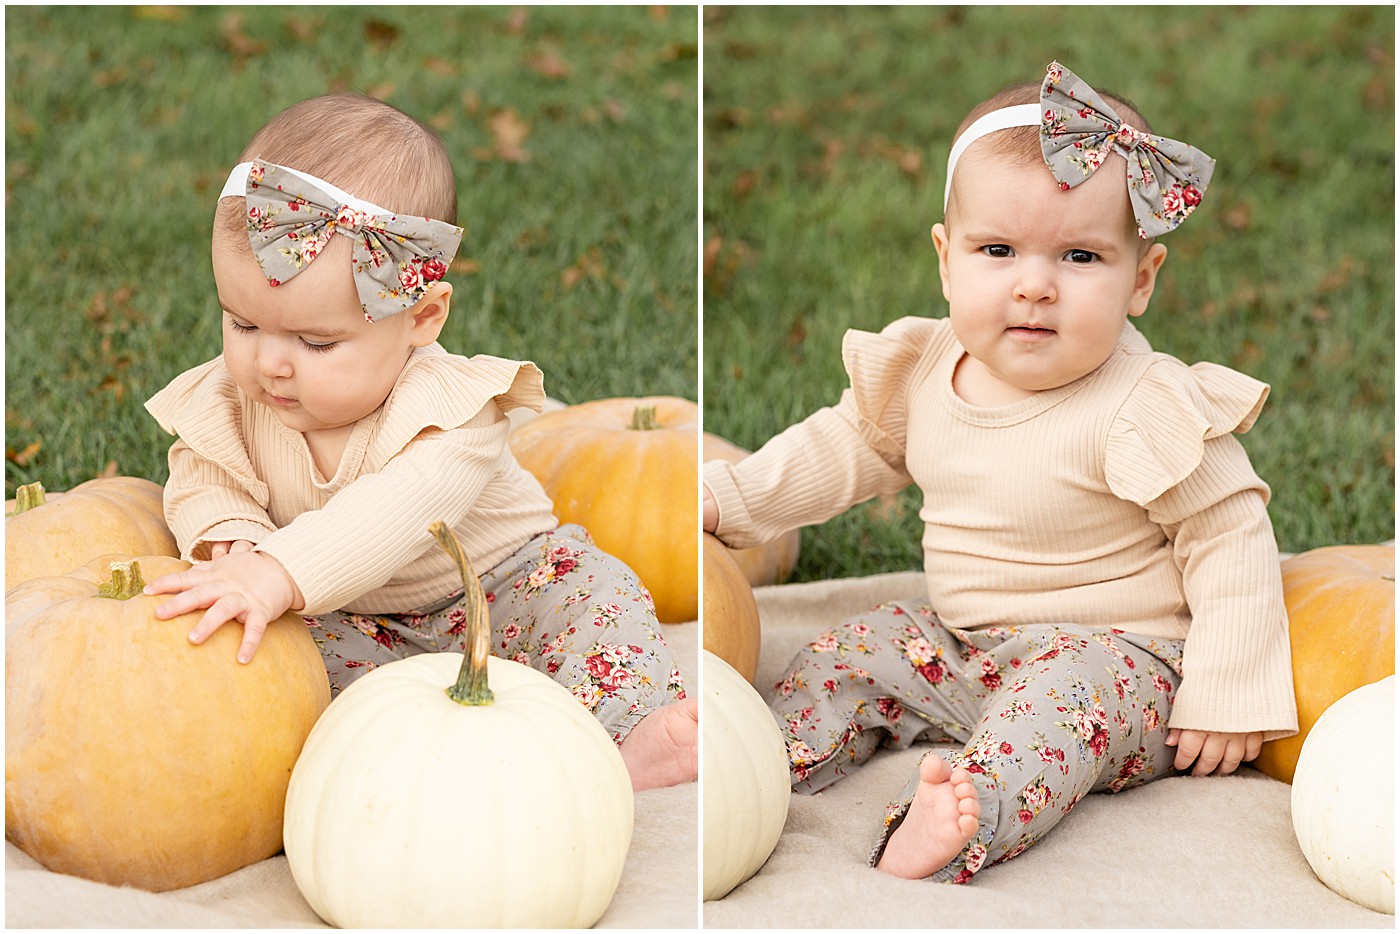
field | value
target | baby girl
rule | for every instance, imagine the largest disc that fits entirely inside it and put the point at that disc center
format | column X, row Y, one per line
column 1104, row 596
column 313, row 454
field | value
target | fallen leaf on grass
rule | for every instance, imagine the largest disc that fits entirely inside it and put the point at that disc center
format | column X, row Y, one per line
column 549, row 64
column 303, row 28
column 441, row 66
column 239, row 43
column 108, row 472
column 508, row 131
column 515, row 23
column 712, row 248
column 381, row 34
column 464, row 267
column 23, row 457
column 589, row 265
column 168, row 14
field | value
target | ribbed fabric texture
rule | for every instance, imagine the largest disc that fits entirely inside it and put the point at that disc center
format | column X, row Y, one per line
column 1121, row 500
column 359, row 541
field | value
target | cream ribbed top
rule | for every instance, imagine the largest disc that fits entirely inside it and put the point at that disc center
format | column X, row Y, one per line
column 1120, row 500
column 436, row 449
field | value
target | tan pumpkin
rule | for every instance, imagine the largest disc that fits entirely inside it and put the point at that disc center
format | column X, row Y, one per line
column 1341, row 628
column 731, row 626
column 133, row 757
column 625, row 469
column 49, row 536
column 762, row 564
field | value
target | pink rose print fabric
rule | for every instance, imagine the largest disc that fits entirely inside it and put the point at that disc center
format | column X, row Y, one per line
column 1039, row 715
column 559, row 605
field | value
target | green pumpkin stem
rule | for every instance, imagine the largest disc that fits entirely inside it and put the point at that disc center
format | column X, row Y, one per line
column 644, row 418
column 29, row 496
column 126, row 581
column 471, row 688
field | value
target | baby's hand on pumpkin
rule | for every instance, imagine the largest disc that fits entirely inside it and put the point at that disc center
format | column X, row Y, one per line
column 247, row 586
column 1213, row 753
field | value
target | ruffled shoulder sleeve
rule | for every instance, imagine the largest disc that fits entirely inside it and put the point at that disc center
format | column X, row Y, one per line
column 880, row 367
column 446, row 391
column 1158, row 436
column 204, row 407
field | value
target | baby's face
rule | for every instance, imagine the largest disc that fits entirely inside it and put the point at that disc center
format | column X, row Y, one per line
column 1039, row 281
column 304, row 348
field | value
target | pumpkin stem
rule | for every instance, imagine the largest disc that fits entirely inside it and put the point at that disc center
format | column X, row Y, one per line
column 644, row 418
column 29, row 496
column 126, row 581
column 471, row 688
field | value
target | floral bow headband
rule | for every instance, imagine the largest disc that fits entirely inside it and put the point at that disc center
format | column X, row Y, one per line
column 1166, row 178
column 292, row 216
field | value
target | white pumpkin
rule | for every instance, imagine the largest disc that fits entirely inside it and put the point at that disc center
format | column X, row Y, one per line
column 746, row 784
column 411, row 809
column 1344, row 796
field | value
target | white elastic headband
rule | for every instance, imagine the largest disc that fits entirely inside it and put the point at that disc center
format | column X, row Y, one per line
column 1005, row 118
column 237, row 186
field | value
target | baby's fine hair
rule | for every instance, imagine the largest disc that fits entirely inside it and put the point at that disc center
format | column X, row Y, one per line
column 362, row 145
column 1021, row 144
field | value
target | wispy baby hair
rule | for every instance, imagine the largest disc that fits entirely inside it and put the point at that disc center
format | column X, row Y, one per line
column 363, row 146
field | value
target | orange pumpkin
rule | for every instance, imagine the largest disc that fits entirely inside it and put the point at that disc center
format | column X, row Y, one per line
column 133, row 757
column 762, row 564
column 1341, row 626
column 625, row 469
column 731, row 627
column 50, row 536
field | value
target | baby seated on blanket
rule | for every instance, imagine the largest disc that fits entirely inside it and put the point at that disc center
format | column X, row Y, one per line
column 313, row 454
column 1104, row 596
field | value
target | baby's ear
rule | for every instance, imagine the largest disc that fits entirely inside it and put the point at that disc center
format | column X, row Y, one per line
column 1146, row 280
column 430, row 314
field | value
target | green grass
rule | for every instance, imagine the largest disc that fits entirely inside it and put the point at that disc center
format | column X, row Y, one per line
column 826, row 134
column 122, row 123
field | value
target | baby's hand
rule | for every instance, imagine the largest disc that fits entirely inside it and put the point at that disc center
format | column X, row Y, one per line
column 709, row 512
column 248, row 586
column 1213, row 753
column 219, row 549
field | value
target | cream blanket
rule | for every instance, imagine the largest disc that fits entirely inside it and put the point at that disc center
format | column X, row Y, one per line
column 658, row 887
column 1178, row 852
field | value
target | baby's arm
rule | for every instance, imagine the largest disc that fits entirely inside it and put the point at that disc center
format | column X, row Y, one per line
column 377, row 524
column 206, row 507
column 812, row 471
column 1236, row 686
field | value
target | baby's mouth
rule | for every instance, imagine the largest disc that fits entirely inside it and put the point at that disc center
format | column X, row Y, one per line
column 1030, row 332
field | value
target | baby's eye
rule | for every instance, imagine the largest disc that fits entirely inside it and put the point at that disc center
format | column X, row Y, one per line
column 998, row 250
column 241, row 328
column 1081, row 256
column 317, row 348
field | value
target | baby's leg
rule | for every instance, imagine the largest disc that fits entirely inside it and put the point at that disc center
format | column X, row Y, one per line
column 1079, row 712
column 354, row 644
column 882, row 678
column 564, row 607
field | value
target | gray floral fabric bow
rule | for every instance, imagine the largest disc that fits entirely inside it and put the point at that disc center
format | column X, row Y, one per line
column 291, row 219
column 1166, row 178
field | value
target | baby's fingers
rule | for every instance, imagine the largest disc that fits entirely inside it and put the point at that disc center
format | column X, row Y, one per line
column 226, row 608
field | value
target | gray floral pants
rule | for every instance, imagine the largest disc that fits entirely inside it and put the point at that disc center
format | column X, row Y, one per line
column 559, row 605
column 1043, row 714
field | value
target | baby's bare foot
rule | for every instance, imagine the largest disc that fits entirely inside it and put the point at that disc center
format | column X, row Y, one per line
column 941, row 820
column 661, row 749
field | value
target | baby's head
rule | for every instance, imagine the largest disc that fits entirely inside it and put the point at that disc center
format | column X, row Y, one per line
column 318, row 326
column 1021, row 144
column 1046, row 245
